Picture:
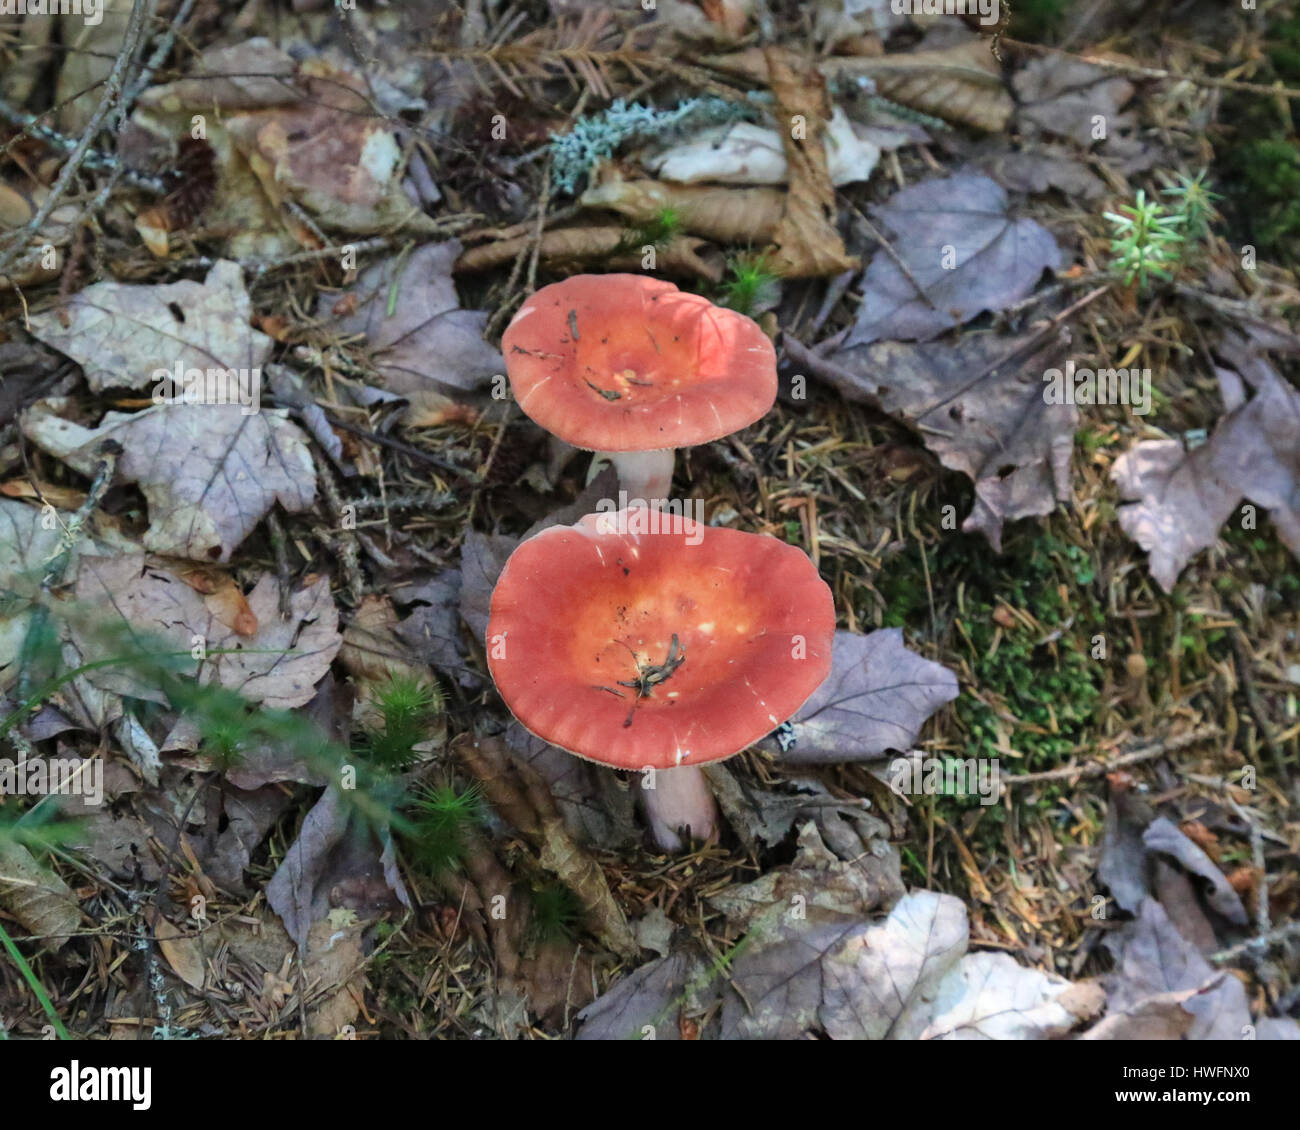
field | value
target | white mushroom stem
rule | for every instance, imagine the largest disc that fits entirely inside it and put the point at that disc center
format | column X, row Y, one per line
column 681, row 798
column 646, row 475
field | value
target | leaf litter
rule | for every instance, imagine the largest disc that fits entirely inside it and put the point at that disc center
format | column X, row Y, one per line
column 227, row 544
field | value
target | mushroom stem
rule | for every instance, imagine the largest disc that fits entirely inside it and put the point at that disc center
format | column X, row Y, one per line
column 646, row 475
column 681, row 798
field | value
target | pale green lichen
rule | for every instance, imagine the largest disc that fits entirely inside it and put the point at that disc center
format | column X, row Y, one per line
column 597, row 137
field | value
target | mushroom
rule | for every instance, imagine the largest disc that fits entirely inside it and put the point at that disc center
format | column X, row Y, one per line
column 648, row 641
column 632, row 367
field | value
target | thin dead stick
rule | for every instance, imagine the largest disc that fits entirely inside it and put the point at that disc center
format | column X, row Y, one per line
column 1258, row 944
column 112, row 99
column 1241, row 652
column 1155, row 73
column 1098, row 768
column 160, row 52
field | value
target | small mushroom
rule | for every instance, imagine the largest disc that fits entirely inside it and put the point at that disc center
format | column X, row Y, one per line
column 647, row 641
column 630, row 366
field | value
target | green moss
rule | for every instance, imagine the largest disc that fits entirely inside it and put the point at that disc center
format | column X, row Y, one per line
column 409, row 707
column 749, row 284
column 439, row 824
column 1283, row 49
column 556, row 912
column 1037, row 20
column 1267, row 188
column 1040, row 694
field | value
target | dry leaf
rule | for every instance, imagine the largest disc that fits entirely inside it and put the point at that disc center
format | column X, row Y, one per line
column 331, row 155
column 121, row 334
column 807, row 243
column 1063, row 96
column 978, row 404
column 209, row 472
column 417, row 334
column 719, row 213
column 645, row 1002
column 1162, row 835
column 36, row 896
column 1152, row 959
column 520, row 795
column 991, row 997
column 566, row 248
column 182, row 951
column 961, row 247
column 959, row 84
column 278, row 666
column 335, row 974
column 743, row 153
column 876, row 698
column 1184, row 497
column 334, row 863
column 60, row 497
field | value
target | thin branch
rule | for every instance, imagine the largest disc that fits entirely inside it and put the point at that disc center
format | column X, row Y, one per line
column 111, row 100
column 1099, row 768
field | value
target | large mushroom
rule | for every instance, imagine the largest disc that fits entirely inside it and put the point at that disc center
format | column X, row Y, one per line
column 631, row 366
column 647, row 642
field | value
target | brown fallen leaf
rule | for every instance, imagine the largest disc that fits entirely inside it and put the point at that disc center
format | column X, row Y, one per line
column 334, row 971
column 876, row 698
column 1161, row 1016
column 960, row 84
column 1063, row 95
column 1153, row 960
column 36, row 896
column 331, row 155
column 521, row 796
column 416, row 332
column 60, row 497
column 243, row 76
column 227, row 85
column 807, row 243
column 720, row 213
column 223, row 598
column 958, row 251
column 181, row 950
column 1182, row 497
column 335, row 863
column 562, row 248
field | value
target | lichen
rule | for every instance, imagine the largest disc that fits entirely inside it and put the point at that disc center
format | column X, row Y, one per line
column 597, row 137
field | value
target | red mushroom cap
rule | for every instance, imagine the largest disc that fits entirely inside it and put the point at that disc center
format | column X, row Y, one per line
column 582, row 610
column 631, row 363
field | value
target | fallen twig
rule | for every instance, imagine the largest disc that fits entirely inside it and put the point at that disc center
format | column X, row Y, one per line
column 1099, row 768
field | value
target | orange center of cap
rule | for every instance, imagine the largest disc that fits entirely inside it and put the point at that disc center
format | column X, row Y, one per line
column 640, row 639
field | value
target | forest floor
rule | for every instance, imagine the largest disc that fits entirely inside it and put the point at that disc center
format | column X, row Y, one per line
column 262, row 631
